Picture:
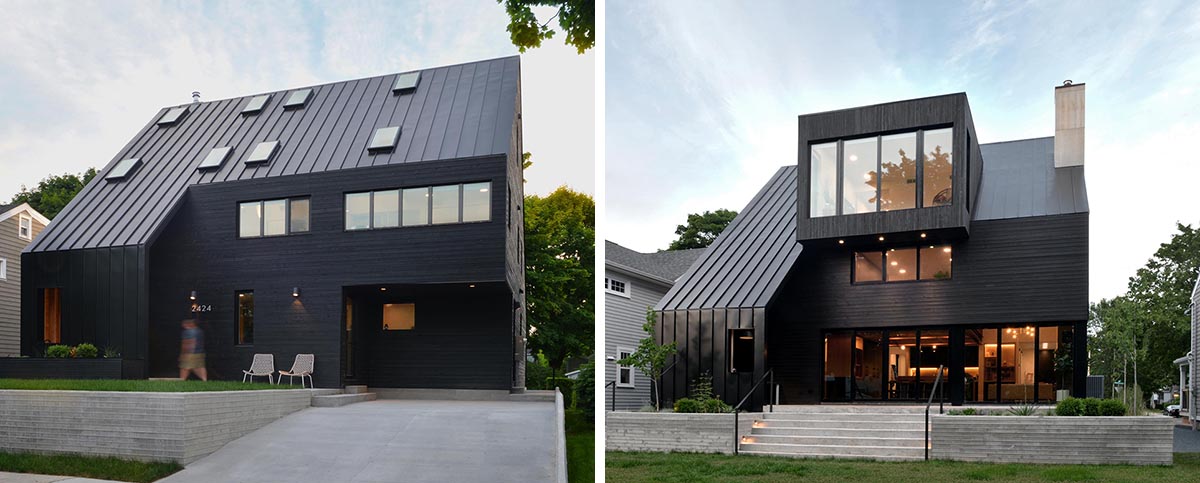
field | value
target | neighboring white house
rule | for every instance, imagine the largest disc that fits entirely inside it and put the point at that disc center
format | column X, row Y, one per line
column 1193, row 383
column 19, row 225
column 633, row 282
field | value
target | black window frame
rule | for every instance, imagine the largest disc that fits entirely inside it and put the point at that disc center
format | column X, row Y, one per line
column 237, row 313
column 917, row 269
column 428, row 206
column 262, row 220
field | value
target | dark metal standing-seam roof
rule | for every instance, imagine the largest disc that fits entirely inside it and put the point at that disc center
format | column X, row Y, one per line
column 745, row 265
column 457, row 111
column 1020, row 180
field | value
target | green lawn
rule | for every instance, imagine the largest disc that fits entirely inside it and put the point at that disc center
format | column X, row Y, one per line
column 581, row 447
column 134, row 385
column 687, row 467
column 86, row 466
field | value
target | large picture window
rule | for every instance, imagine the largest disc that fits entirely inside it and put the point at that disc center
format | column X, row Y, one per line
column 456, row 203
column 273, row 217
column 931, row 262
column 881, row 173
column 245, row 317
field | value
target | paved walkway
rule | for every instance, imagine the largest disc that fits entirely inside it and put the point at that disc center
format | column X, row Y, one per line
column 6, row 477
column 1186, row 440
column 392, row 441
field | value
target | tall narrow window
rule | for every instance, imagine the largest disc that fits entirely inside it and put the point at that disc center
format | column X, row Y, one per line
column 860, row 177
column 25, row 227
column 898, row 176
column 3, row 269
column 445, row 204
column 416, row 206
column 358, row 211
column 823, row 198
column 274, row 217
column 52, row 315
column 250, row 219
column 477, row 202
column 939, row 167
column 245, row 317
column 741, row 350
column 624, row 373
column 386, row 209
column 298, row 215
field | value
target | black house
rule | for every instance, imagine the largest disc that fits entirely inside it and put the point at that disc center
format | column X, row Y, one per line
column 898, row 245
column 375, row 223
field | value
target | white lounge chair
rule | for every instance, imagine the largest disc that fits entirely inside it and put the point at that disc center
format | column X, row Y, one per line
column 302, row 367
column 263, row 365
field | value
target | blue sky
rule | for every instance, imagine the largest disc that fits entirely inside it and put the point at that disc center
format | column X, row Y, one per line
column 701, row 101
column 78, row 79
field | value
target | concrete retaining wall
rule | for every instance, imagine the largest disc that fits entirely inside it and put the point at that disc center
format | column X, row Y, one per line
column 151, row 426
column 666, row 432
column 1142, row 440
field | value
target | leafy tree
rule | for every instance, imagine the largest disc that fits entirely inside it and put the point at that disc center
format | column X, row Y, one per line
column 576, row 17
column 54, row 192
column 651, row 357
column 701, row 229
column 560, row 254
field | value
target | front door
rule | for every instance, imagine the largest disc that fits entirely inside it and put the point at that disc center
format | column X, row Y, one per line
column 353, row 368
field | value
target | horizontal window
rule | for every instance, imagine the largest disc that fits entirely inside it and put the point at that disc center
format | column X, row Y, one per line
column 881, row 173
column 456, row 203
column 273, row 217
column 932, row 262
column 617, row 287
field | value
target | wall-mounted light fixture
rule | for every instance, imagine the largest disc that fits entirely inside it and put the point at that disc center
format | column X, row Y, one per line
column 471, row 286
column 192, row 296
column 383, row 289
column 922, row 235
column 295, row 291
column 881, row 238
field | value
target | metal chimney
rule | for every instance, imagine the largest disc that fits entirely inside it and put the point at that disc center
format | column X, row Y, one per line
column 195, row 96
column 1068, row 124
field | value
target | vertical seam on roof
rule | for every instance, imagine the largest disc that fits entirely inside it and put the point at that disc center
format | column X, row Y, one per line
column 421, row 133
column 324, row 161
column 292, row 150
column 441, row 115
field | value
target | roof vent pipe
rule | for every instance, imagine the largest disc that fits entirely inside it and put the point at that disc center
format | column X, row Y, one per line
column 1068, row 124
column 195, row 96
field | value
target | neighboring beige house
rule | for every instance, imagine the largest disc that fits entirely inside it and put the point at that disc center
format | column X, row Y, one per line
column 19, row 225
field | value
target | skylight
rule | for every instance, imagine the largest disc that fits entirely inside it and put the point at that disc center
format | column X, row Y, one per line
column 263, row 152
column 123, row 169
column 298, row 98
column 384, row 139
column 256, row 104
column 172, row 116
column 406, row 82
column 216, row 157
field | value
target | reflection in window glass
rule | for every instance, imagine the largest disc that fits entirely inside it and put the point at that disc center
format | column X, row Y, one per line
column 838, row 349
column 445, row 204
column 939, row 165
column 899, row 173
column 935, row 262
column 858, row 188
column 477, row 202
column 386, row 208
column 275, row 217
column 298, row 219
column 249, row 219
column 823, row 199
column 358, row 211
column 901, row 264
column 416, row 206
column 868, row 267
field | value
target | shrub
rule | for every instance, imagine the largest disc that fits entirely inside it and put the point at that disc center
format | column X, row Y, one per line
column 687, row 405
column 585, row 388
column 964, row 412
column 1069, row 407
column 567, row 386
column 58, row 351
column 715, row 405
column 111, row 352
column 577, row 421
column 1091, row 406
column 1112, row 407
column 86, row 351
column 647, row 408
column 1022, row 410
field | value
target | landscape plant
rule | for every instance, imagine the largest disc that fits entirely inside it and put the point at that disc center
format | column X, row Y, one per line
column 58, row 351
column 702, row 399
column 651, row 357
column 86, row 351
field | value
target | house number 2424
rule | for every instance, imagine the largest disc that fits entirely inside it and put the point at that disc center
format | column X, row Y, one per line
column 201, row 308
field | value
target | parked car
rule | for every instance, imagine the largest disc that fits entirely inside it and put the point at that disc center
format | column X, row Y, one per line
column 1173, row 410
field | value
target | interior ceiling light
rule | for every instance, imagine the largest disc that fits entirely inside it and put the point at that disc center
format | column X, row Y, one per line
column 947, row 249
column 903, row 270
column 895, row 263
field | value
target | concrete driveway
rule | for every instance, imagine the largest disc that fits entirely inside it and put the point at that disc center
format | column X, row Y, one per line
column 392, row 441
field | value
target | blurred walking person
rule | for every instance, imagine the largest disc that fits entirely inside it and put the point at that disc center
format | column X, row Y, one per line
column 191, row 351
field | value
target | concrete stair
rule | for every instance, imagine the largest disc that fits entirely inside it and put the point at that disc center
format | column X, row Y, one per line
column 332, row 398
column 864, row 432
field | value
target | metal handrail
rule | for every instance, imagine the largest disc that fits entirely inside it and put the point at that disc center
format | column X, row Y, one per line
column 613, row 400
column 937, row 386
column 769, row 374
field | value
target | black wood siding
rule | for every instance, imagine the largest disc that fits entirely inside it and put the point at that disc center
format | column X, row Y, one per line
column 103, row 298
column 199, row 250
column 701, row 337
column 1016, row 271
column 895, row 117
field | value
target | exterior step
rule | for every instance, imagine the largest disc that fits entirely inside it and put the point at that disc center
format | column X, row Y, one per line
column 324, row 392
column 866, row 426
column 533, row 396
column 834, row 451
column 866, row 417
column 918, row 433
column 862, row 439
column 356, row 389
column 877, row 457
column 855, row 408
column 337, row 400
